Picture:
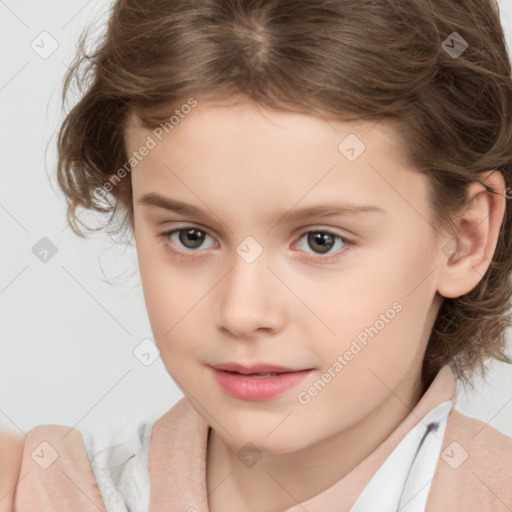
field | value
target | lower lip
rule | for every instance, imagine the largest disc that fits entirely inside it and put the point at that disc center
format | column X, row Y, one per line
column 257, row 389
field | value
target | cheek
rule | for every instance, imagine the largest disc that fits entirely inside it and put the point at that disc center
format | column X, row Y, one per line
column 170, row 299
column 170, row 305
column 378, row 308
column 378, row 336
column 176, row 302
column 167, row 293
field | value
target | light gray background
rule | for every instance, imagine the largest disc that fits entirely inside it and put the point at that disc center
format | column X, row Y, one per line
column 67, row 334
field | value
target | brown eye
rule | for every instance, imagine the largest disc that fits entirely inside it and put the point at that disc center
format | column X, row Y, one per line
column 322, row 241
column 323, row 246
column 186, row 241
column 191, row 238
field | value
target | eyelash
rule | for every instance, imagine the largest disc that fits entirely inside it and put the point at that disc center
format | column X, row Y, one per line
column 165, row 238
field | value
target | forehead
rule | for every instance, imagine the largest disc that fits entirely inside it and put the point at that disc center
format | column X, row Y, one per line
column 215, row 124
column 244, row 150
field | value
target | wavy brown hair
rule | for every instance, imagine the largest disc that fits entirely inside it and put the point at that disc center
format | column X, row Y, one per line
column 339, row 59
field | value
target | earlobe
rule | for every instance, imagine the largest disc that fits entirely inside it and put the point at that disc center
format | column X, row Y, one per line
column 466, row 256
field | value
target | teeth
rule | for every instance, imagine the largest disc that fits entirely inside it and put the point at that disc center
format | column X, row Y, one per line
column 263, row 375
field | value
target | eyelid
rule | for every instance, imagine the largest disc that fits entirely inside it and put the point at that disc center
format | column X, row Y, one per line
column 165, row 238
column 184, row 225
column 302, row 230
column 171, row 231
column 331, row 257
column 191, row 254
column 320, row 227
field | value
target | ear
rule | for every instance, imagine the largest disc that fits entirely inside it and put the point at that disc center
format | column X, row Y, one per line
column 468, row 254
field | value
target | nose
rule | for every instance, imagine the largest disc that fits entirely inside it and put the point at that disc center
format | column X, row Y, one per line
column 251, row 299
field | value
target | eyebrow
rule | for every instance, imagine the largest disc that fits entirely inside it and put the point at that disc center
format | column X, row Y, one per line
column 321, row 210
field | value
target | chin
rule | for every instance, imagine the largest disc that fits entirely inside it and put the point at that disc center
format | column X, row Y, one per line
column 275, row 443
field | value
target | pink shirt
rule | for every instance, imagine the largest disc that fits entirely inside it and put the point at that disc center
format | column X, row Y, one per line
column 473, row 472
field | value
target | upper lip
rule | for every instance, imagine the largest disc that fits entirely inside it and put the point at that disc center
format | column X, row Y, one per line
column 254, row 368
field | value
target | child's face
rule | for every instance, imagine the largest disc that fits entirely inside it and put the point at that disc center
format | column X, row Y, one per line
column 255, row 290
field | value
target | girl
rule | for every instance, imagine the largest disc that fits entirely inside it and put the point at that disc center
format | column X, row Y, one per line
column 317, row 192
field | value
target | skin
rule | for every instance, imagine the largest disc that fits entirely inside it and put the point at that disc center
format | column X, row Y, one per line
column 245, row 167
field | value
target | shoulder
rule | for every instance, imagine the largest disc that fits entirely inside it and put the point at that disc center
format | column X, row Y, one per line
column 482, row 448
column 52, row 461
column 490, row 447
column 11, row 451
column 474, row 468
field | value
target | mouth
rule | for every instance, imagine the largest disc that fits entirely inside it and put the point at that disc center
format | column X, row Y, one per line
column 257, row 382
column 259, row 369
